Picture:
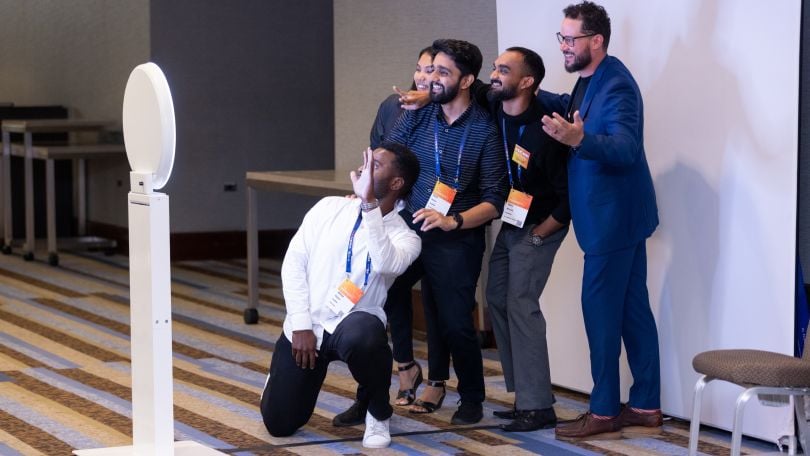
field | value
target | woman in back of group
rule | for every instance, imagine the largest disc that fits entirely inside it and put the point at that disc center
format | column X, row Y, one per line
column 391, row 108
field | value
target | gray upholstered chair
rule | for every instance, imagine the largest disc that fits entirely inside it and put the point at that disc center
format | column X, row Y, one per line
column 760, row 373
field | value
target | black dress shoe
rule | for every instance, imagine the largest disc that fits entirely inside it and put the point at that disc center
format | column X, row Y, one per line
column 505, row 414
column 532, row 420
column 354, row 415
column 468, row 413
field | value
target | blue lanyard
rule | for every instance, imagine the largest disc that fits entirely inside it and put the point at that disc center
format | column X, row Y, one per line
column 460, row 150
column 506, row 151
column 349, row 253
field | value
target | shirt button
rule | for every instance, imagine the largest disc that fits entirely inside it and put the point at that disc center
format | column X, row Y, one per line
column 446, row 130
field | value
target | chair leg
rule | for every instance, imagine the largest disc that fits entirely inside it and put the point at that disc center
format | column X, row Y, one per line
column 694, row 426
column 736, row 431
column 801, row 419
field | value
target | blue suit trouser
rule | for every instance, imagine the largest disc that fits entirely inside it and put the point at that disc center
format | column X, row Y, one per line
column 616, row 308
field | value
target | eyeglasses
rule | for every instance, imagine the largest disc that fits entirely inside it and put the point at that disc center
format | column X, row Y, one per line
column 571, row 40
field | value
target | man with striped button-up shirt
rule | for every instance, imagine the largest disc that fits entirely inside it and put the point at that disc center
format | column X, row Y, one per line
column 460, row 188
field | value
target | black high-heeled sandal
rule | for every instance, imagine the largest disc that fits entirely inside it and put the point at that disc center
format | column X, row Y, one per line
column 409, row 394
column 430, row 407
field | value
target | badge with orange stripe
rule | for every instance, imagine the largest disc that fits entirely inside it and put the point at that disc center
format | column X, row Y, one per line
column 516, row 208
column 347, row 295
column 521, row 156
column 442, row 198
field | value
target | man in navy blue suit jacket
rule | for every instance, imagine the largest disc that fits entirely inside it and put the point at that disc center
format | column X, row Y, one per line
column 613, row 210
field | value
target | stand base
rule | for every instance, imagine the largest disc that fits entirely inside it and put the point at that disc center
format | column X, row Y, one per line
column 186, row 448
column 251, row 316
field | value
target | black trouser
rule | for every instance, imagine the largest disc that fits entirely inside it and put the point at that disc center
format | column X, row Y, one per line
column 291, row 392
column 399, row 310
column 452, row 263
column 449, row 266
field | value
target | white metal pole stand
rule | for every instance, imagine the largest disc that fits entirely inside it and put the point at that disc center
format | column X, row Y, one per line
column 149, row 135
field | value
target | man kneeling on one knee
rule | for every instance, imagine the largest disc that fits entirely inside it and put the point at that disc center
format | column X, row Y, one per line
column 335, row 276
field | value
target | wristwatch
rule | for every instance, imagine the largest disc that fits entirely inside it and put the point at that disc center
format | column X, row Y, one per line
column 371, row 205
column 537, row 240
column 459, row 220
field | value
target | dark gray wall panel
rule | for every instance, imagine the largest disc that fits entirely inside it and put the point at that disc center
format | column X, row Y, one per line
column 252, row 82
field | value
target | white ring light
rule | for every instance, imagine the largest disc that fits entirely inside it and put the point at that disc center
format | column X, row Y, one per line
column 149, row 130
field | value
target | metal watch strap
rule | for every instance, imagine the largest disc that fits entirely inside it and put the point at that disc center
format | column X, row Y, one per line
column 371, row 205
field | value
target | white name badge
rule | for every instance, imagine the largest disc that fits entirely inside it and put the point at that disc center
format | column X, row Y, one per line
column 441, row 199
column 344, row 299
column 516, row 208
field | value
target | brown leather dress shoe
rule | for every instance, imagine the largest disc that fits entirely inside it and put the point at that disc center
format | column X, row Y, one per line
column 635, row 424
column 586, row 427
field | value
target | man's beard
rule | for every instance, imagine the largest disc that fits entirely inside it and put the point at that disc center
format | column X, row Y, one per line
column 447, row 94
column 580, row 61
column 503, row 94
column 381, row 189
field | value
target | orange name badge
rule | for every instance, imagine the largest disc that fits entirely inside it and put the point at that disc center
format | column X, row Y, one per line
column 521, row 156
column 442, row 198
column 350, row 291
column 520, row 199
column 444, row 192
column 516, row 208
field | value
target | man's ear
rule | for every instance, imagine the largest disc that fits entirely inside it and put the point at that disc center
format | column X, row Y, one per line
column 526, row 82
column 598, row 41
column 467, row 81
column 396, row 183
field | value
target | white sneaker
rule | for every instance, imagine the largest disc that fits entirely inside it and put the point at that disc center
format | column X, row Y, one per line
column 377, row 434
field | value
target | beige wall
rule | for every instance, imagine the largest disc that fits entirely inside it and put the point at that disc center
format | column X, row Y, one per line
column 75, row 53
column 376, row 42
column 78, row 54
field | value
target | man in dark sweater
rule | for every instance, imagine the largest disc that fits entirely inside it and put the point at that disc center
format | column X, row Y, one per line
column 535, row 221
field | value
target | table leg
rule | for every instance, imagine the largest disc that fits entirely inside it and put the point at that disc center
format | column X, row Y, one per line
column 82, row 196
column 28, row 250
column 251, row 314
column 53, row 256
column 5, row 187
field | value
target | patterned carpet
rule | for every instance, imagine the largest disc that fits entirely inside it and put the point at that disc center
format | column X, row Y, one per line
column 65, row 378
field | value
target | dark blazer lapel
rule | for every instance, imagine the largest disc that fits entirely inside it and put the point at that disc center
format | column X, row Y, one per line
column 593, row 87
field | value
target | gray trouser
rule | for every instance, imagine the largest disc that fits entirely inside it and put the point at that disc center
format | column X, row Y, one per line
column 518, row 272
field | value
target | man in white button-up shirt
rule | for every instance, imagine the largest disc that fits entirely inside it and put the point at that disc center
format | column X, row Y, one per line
column 335, row 277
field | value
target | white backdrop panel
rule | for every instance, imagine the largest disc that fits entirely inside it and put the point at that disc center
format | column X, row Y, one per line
column 720, row 86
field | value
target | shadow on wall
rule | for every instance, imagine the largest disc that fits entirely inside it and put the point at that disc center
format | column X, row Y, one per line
column 695, row 112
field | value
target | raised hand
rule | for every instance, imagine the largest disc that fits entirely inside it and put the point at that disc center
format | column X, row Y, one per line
column 363, row 178
column 568, row 133
column 412, row 99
